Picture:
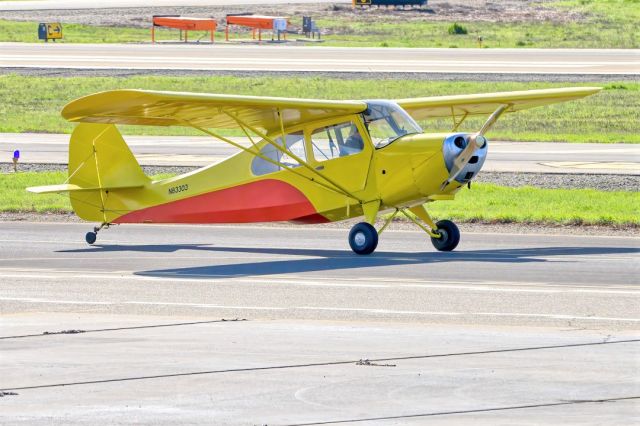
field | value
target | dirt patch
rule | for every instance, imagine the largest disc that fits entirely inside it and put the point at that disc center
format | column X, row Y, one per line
column 437, row 10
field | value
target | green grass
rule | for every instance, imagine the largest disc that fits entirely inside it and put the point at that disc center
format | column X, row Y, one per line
column 494, row 35
column 14, row 197
column 498, row 204
column 604, row 24
column 33, row 104
column 27, row 32
column 484, row 203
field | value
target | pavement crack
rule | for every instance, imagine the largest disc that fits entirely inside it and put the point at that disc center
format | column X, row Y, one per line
column 7, row 393
column 136, row 327
column 373, row 364
column 316, row 364
column 64, row 332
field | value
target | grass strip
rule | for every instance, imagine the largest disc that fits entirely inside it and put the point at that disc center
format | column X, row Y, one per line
column 27, row 32
column 602, row 24
column 605, row 24
column 33, row 104
column 484, row 203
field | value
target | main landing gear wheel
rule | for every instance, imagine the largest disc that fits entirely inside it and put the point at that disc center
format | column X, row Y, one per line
column 449, row 236
column 363, row 238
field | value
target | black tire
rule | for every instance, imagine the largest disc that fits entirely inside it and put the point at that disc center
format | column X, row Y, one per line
column 363, row 238
column 450, row 236
column 91, row 237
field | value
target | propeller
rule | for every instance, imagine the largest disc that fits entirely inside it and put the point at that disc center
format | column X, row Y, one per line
column 475, row 141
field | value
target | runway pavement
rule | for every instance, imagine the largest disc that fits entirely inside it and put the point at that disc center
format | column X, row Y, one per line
column 324, row 59
column 538, row 157
column 510, row 329
column 310, row 273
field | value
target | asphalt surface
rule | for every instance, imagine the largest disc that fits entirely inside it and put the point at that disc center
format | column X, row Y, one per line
column 336, row 59
column 310, row 273
column 533, row 157
column 510, row 329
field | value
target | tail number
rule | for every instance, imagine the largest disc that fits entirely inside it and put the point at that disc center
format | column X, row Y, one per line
column 179, row 188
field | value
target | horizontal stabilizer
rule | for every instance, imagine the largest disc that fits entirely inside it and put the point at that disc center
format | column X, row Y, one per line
column 67, row 187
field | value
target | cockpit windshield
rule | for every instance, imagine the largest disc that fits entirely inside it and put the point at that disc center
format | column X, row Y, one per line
column 386, row 122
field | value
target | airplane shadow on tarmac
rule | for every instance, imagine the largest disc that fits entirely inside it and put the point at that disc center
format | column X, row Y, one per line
column 324, row 260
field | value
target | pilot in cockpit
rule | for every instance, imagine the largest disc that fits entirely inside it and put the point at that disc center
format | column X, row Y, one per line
column 353, row 143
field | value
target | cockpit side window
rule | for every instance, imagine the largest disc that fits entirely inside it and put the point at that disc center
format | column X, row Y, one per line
column 294, row 143
column 337, row 140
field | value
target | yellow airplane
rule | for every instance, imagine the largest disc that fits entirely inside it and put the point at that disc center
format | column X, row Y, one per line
column 308, row 161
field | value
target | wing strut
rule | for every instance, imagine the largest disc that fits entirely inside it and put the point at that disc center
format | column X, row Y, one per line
column 337, row 187
column 456, row 124
column 269, row 160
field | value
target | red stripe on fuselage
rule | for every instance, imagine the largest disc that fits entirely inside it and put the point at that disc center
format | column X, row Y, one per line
column 266, row 200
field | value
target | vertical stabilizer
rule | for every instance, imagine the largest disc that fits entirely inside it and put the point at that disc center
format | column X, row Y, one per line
column 100, row 158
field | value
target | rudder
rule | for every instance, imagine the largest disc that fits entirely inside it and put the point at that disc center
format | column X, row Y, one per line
column 100, row 158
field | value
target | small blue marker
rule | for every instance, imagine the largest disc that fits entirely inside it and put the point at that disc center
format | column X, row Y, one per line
column 16, row 156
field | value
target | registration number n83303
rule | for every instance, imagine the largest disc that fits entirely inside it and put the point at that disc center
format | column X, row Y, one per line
column 179, row 188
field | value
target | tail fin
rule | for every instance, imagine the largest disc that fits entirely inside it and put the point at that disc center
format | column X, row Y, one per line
column 104, row 176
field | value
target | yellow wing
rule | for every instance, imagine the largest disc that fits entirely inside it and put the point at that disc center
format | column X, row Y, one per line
column 487, row 103
column 202, row 110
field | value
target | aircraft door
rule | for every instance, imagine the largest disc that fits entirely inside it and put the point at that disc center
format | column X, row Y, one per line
column 341, row 153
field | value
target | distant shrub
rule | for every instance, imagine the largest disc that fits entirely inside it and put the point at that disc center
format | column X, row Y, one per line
column 384, row 44
column 456, row 29
column 614, row 86
column 520, row 43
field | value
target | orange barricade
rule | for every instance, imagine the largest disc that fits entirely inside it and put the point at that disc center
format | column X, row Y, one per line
column 256, row 22
column 184, row 24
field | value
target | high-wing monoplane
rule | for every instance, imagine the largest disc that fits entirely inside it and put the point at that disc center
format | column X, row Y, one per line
column 306, row 161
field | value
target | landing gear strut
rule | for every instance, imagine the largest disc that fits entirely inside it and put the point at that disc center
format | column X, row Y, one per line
column 91, row 237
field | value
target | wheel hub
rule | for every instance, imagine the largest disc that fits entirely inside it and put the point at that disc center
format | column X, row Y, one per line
column 359, row 239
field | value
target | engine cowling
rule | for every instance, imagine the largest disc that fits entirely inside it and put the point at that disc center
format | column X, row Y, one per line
column 453, row 146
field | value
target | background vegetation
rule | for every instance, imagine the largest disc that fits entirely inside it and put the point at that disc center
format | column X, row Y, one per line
column 603, row 24
column 33, row 104
column 606, row 24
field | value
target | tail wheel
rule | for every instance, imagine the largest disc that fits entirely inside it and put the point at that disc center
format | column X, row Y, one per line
column 91, row 237
column 449, row 236
column 363, row 238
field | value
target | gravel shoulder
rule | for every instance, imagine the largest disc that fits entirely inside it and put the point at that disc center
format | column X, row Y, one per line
column 371, row 75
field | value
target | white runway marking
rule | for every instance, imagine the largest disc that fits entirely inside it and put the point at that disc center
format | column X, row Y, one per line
column 300, row 281
column 327, row 308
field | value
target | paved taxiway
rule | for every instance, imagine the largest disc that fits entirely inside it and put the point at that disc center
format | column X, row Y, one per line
column 515, row 329
column 332, row 59
column 310, row 273
column 538, row 157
